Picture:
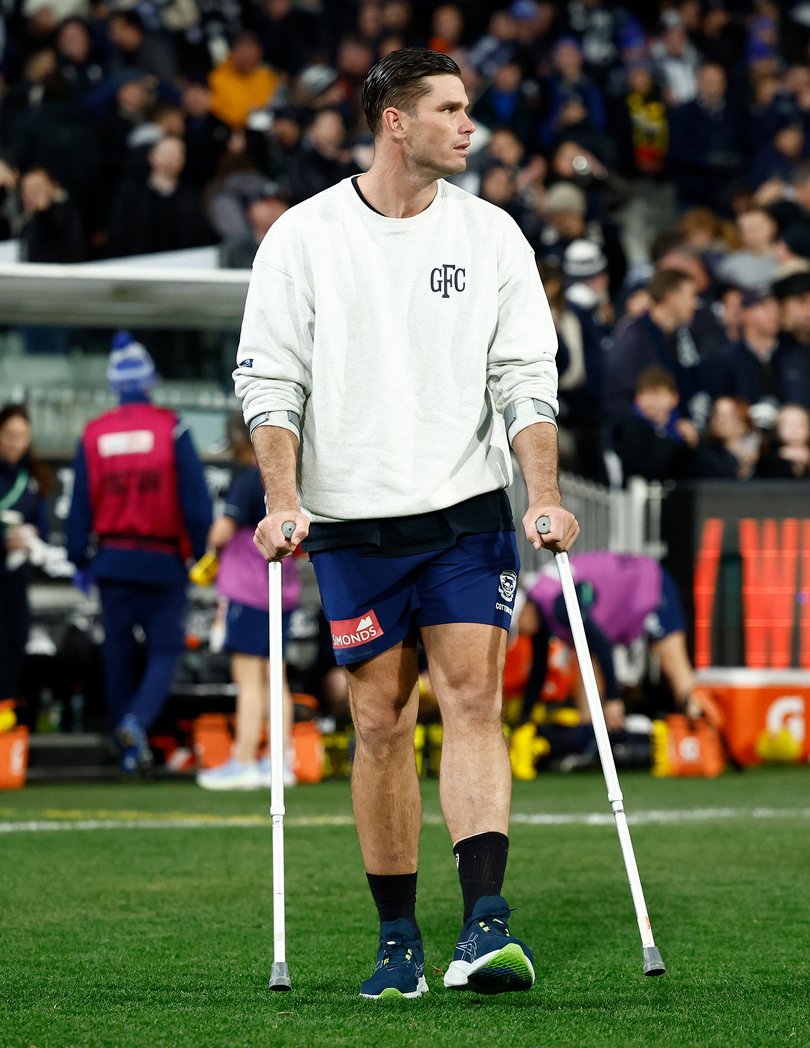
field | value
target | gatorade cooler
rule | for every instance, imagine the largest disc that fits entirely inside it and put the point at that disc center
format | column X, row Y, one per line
column 13, row 758
column 767, row 712
column 213, row 739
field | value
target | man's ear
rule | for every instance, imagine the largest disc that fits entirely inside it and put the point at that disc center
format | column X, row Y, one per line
column 393, row 122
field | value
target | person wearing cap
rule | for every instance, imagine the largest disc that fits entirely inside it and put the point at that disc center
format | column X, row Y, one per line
column 564, row 211
column 140, row 509
column 585, row 267
column 318, row 86
column 792, row 290
column 585, row 274
column 761, row 369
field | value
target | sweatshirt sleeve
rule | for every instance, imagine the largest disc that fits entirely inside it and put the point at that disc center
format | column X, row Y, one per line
column 274, row 360
column 79, row 521
column 521, row 362
column 192, row 490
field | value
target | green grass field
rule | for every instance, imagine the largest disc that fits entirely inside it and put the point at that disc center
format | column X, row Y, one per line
column 144, row 919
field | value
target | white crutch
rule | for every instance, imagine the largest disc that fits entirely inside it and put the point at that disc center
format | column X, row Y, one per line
column 653, row 964
column 280, row 972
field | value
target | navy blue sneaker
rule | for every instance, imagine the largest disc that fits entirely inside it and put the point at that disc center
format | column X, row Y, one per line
column 487, row 958
column 136, row 756
column 400, row 970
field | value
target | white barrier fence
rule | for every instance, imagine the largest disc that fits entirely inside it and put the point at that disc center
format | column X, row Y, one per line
column 624, row 520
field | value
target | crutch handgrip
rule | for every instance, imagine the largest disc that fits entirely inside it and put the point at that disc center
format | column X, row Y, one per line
column 288, row 529
column 543, row 525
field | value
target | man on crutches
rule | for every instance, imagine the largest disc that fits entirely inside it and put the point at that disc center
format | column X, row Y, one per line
column 396, row 342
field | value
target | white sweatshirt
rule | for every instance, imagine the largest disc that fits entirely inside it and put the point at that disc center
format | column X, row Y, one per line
column 399, row 342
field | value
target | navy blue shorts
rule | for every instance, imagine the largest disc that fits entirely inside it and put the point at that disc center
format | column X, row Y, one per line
column 247, row 630
column 374, row 603
column 668, row 617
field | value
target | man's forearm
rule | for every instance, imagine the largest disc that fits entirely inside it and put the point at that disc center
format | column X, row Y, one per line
column 537, row 453
column 277, row 455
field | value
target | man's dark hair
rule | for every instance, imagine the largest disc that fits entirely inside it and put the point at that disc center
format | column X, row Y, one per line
column 131, row 18
column 665, row 281
column 667, row 240
column 399, row 80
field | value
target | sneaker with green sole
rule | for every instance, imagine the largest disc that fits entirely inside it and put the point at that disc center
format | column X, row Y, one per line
column 487, row 958
column 400, row 971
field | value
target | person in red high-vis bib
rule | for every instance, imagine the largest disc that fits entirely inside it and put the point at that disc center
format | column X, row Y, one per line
column 140, row 510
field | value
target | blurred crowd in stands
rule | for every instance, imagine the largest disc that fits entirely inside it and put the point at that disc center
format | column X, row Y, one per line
column 656, row 156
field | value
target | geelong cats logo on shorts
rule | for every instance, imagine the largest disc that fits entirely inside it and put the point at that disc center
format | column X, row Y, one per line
column 507, row 584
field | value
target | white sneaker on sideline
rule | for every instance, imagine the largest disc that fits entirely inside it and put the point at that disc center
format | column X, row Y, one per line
column 289, row 775
column 233, row 775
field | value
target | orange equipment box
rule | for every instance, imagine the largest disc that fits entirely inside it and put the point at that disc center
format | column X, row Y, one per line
column 767, row 712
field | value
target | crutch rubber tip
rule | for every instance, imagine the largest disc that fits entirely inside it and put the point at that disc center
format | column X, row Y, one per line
column 653, row 964
column 280, row 976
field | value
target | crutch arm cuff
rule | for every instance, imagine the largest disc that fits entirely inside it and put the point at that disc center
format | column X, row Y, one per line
column 521, row 414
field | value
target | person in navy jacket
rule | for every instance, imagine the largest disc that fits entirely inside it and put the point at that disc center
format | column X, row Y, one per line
column 140, row 510
column 760, row 368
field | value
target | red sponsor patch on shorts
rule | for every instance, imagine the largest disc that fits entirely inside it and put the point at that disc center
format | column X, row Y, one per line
column 350, row 633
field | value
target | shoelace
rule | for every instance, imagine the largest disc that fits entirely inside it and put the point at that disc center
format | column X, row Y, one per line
column 395, row 952
column 488, row 921
column 500, row 919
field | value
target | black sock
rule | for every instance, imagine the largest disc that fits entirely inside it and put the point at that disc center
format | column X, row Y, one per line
column 394, row 895
column 481, row 862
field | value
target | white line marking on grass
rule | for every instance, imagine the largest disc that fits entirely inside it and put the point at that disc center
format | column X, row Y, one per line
column 663, row 817
column 202, row 822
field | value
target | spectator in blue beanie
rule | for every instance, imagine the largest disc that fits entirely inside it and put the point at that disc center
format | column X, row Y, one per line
column 140, row 510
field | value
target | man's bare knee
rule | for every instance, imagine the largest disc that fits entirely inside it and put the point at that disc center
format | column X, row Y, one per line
column 382, row 728
column 472, row 702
